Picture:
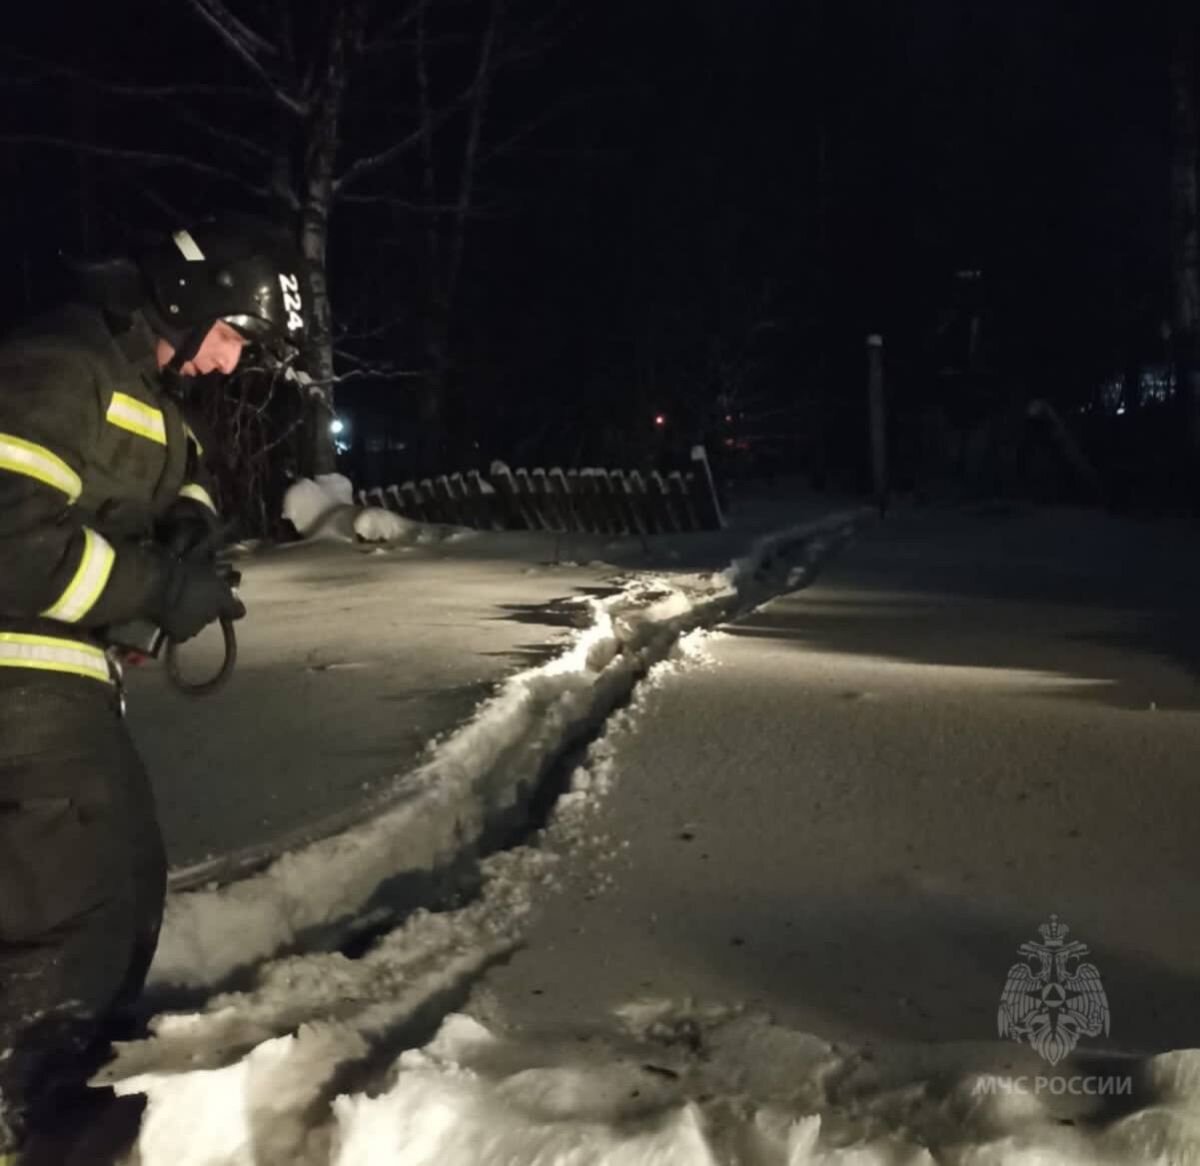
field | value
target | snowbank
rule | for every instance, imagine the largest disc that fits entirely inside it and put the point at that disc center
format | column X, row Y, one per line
column 667, row 1083
column 377, row 525
column 311, row 505
column 324, row 509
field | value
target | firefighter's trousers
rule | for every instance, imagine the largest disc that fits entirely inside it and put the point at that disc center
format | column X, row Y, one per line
column 82, row 881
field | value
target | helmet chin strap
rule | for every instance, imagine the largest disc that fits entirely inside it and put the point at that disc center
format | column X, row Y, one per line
column 186, row 343
column 188, row 347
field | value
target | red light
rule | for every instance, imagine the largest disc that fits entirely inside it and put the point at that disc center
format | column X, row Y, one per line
column 659, row 419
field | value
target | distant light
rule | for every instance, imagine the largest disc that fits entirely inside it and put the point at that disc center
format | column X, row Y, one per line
column 728, row 416
column 1120, row 410
column 659, row 419
column 336, row 426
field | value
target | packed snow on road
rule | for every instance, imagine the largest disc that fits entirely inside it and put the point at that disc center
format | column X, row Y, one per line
column 406, row 1054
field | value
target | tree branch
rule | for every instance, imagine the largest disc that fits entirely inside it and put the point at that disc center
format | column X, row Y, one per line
column 169, row 210
column 239, row 29
column 344, row 333
column 531, row 127
column 287, row 40
column 143, row 157
column 373, row 162
column 210, row 11
column 428, row 168
column 400, row 204
column 373, row 373
column 382, row 40
column 225, row 135
column 482, row 87
column 122, row 88
column 373, row 368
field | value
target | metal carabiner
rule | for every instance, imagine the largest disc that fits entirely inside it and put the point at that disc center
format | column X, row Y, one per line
column 116, row 671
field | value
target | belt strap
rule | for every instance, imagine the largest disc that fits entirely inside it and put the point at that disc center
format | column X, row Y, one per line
column 49, row 654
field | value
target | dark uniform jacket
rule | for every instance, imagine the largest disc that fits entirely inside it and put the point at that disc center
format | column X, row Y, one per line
column 92, row 452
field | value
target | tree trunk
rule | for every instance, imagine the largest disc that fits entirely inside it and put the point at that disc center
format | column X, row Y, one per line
column 316, row 205
column 319, row 454
column 1185, row 245
column 446, row 254
column 429, row 438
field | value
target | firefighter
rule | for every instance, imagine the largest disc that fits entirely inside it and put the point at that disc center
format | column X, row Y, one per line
column 100, row 476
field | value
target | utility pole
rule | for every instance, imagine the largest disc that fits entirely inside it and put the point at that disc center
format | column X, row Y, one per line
column 877, row 419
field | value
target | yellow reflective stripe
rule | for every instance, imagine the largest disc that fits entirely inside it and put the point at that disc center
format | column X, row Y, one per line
column 127, row 412
column 36, row 461
column 194, row 439
column 198, row 494
column 91, row 577
column 50, row 655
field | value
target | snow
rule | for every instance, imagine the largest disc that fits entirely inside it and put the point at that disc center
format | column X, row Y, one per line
column 314, row 507
column 435, row 811
column 323, row 509
column 375, row 524
column 351, row 660
column 295, row 1069
column 324, row 1060
column 665, row 1082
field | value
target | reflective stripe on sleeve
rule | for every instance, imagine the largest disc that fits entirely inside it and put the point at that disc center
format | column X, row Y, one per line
column 35, row 461
column 193, row 439
column 48, row 654
column 136, row 416
column 90, row 579
column 198, row 494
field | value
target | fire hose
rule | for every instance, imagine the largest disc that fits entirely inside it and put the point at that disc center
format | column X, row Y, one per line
column 142, row 639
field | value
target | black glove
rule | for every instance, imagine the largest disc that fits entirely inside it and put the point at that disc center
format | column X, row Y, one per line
column 189, row 531
column 196, row 593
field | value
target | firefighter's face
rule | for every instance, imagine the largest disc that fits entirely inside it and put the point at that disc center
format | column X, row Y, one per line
column 220, row 352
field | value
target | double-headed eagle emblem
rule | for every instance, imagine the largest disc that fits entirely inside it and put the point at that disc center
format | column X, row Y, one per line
column 1049, row 1004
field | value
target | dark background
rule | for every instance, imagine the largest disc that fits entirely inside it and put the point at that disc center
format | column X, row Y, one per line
column 711, row 205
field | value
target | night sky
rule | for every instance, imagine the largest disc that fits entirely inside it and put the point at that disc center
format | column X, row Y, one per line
column 721, row 193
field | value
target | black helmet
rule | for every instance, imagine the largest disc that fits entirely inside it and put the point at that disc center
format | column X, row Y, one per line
column 242, row 270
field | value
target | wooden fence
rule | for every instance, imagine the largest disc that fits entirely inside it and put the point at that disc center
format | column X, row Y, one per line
column 593, row 501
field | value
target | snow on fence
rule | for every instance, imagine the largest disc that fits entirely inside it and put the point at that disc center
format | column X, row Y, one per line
column 594, row 501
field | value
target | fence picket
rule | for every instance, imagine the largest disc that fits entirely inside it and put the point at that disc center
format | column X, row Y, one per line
column 593, row 500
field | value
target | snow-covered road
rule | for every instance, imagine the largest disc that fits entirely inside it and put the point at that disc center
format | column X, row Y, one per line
column 354, row 658
column 884, row 783
column 849, row 809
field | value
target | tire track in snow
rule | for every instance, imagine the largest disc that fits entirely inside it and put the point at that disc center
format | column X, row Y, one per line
column 478, row 781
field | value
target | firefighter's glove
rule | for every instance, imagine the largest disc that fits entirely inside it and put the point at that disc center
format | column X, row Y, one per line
column 189, row 531
column 195, row 595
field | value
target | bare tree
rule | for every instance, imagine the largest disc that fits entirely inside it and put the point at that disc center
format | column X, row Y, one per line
column 425, row 80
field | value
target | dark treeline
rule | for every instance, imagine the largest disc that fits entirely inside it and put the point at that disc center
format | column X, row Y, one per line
column 695, row 212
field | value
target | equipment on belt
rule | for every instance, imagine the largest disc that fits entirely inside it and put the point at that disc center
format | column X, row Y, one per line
column 147, row 639
column 144, row 638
